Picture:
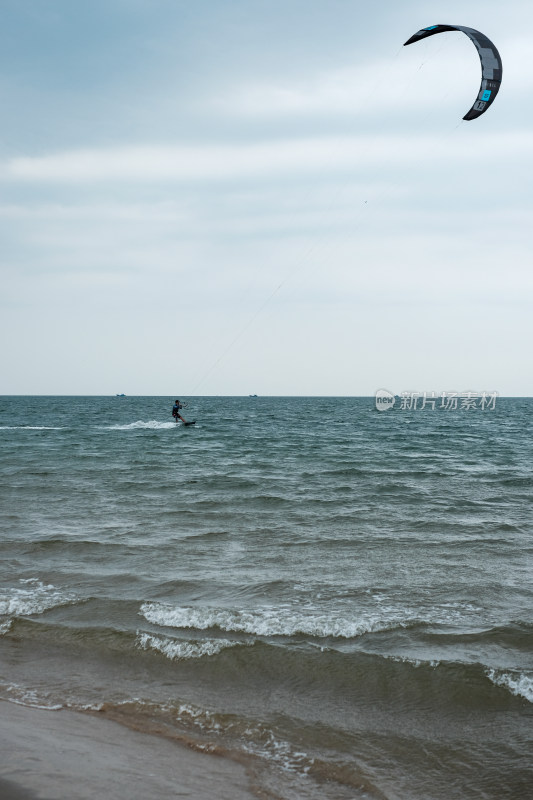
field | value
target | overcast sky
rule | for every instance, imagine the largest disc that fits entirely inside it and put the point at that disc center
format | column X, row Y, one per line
column 238, row 196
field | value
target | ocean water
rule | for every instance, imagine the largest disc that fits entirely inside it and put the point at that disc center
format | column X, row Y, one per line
column 340, row 597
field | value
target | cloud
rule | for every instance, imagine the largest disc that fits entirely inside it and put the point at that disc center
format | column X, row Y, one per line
column 347, row 90
column 445, row 71
column 182, row 163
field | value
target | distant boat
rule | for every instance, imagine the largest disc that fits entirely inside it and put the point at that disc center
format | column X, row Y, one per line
column 120, row 395
column 252, row 395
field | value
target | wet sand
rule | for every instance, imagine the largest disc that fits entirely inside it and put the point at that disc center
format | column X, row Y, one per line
column 64, row 755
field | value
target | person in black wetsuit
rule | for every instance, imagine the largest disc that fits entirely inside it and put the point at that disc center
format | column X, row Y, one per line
column 176, row 408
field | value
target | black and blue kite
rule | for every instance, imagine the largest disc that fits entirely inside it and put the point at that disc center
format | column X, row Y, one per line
column 491, row 64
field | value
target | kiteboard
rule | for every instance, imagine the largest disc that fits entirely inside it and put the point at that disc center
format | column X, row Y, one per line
column 190, row 423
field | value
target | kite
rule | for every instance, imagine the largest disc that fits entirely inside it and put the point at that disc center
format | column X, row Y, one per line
column 491, row 64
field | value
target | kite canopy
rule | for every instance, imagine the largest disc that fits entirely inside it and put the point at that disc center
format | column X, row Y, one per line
column 491, row 64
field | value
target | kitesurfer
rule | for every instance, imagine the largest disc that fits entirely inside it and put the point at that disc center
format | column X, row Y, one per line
column 176, row 408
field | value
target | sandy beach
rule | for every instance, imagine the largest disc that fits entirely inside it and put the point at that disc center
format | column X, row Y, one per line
column 63, row 755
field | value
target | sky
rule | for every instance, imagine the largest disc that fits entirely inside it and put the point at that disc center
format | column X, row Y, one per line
column 237, row 197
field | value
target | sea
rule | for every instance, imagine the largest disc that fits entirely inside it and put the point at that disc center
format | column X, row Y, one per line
column 337, row 596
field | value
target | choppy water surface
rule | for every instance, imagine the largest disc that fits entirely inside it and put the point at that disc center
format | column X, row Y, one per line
column 342, row 595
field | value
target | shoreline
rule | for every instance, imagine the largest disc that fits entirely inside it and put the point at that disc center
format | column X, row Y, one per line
column 68, row 755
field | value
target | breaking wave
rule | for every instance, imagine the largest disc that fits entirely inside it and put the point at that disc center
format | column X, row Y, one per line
column 275, row 621
column 175, row 650
column 31, row 698
column 31, row 597
column 519, row 684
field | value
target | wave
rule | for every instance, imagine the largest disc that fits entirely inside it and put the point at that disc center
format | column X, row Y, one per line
column 33, row 597
column 31, row 698
column 178, row 650
column 141, row 425
column 29, row 428
column 276, row 620
column 208, row 731
column 518, row 480
column 518, row 683
column 514, row 636
column 403, row 677
column 412, row 661
column 255, row 737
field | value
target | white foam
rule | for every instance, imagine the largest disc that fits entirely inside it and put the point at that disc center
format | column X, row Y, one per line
column 518, row 684
column 200, row 717
column 281, row 752
column 85, row 706
column 28, row 702
column 140, row 425
column 266, row 621
column 29, row 697
column 414, row 662
column 182, row 650
column 37, row 598
column 291, row 619
column 5, row 626
column 28, row 428
column 258, row 740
